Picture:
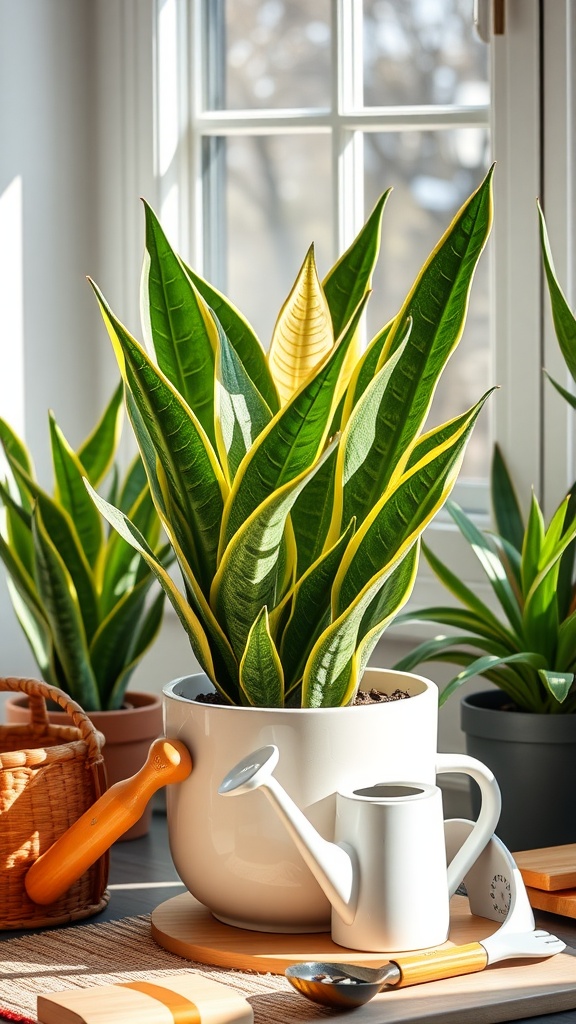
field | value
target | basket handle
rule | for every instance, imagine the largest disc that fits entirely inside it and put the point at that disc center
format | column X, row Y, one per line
column 39, row 692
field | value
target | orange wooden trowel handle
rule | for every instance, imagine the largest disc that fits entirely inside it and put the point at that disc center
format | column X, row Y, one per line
column 116, row 810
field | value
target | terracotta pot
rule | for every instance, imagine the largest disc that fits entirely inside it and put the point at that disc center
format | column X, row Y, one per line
column 128, row 734
column 234, row 855
column 533, row 758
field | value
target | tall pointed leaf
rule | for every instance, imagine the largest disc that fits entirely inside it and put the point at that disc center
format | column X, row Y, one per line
column 71, row 493
column 188, row 618
column 350, row 278
column 242, row 338
column 188, row 472
column 177, row 324
column 437, row 304
column 292, row 440
column 310, row 609
column 97, row 452
column 242, row 413
column 403, row 512
column 303, row 334
column 562, row 315
column 249, row 575
column 507, row 514
column 60, row 602
column 261, row 676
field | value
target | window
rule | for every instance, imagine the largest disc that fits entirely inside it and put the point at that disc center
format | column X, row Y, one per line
column 293, row 118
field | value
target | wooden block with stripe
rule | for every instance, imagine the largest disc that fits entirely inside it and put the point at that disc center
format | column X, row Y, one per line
column 562, row 902
column 183, row 998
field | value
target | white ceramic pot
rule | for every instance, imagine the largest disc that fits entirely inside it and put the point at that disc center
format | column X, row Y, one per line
column 235, row 856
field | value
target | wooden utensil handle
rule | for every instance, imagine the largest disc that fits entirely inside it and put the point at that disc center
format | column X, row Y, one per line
column 117, row 809
column 441, row 963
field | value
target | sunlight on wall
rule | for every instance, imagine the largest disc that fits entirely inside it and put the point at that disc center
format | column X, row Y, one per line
column 11, row 304
column 168, row 119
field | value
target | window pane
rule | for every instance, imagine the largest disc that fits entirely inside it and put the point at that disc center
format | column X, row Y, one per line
column 432, row 174
column 278, row 200
column 423, row 51
column 277, row 54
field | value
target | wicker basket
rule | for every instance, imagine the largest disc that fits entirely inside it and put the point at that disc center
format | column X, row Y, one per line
column 49, row 775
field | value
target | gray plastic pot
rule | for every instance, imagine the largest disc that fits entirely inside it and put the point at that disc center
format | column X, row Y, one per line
column 534, row 760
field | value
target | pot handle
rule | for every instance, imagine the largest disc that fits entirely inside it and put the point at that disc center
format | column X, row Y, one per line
column 488, row 818
column 112, row 814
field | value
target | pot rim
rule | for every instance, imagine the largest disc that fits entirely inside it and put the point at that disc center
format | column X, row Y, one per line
column 482, row 714
column 425, row 686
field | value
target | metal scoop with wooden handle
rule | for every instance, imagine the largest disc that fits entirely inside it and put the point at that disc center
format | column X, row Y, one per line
column 113, row 813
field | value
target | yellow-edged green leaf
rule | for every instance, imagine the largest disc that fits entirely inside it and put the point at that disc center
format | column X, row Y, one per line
column 188, row 618
column 363, row 466
column 187, row 472
column 249, row 575
column 310, row 608
column 18, row 529
column 147, row 631
column 292, row 440
column 437, row 304
column 327, row 678
column 351, row 276
column 261, row 676
column 242, row 338
column 403, row 511
column 121, row 562
column 303, row 333
column 562, row 315
column 15, row 449
column 70, row 492
column 242, row 413
column 177, row 324
column 34, row 626
column 311, row 515
column 97, row 452
column 112, row 643
column 225, row 662
column 365, row 370
column 60, row 602
column 62, row 533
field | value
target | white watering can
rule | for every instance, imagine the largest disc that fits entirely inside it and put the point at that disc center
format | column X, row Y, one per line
column 385, row 875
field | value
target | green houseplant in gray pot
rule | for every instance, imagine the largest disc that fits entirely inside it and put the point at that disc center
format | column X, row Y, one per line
column 525, row 729
column 87, row 603
column 294, row 487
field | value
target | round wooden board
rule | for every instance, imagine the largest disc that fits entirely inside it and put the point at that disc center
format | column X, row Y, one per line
column 185, row 927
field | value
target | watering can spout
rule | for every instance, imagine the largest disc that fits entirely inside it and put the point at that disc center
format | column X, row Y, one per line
column 333, row 864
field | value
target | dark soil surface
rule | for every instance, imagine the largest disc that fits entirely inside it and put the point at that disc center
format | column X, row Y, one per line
column 363, row 697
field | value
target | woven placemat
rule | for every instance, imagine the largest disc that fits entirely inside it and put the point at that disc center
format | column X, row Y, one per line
column 103, row 954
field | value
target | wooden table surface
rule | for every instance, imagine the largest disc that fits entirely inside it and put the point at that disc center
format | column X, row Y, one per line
column 142, row 876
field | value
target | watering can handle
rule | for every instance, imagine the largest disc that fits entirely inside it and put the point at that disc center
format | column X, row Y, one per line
column 113, row 813
column 488, row 818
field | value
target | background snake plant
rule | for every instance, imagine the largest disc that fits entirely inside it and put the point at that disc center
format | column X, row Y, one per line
column 81, row 594
column 294, row 486
column 527, row 646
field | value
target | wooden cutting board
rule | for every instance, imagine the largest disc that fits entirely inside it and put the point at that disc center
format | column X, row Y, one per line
column 550, row 868
column 503, row 992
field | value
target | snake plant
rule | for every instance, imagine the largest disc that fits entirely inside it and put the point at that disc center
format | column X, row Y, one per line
column 294, row 486
column 528, row 646
column 80, row 592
